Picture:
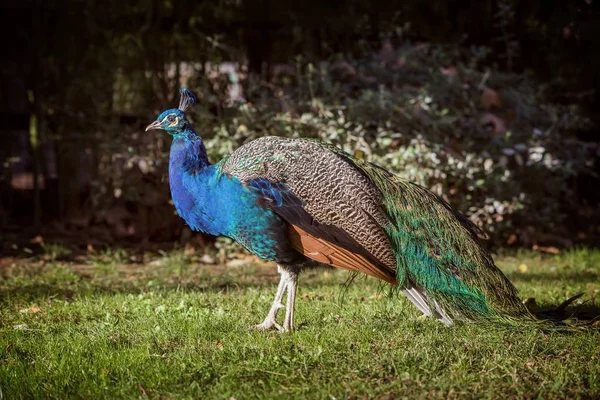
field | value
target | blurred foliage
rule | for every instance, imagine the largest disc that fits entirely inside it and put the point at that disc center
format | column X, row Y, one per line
column 484, row 140
column 489, row 104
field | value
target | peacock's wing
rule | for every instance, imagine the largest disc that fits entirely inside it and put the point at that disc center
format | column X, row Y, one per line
column 334, row 211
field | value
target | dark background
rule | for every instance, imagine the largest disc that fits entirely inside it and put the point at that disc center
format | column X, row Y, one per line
column 79, row 80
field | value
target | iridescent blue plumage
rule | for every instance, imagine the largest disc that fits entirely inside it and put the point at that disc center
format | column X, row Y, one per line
column 214, row 203
column 219, row 204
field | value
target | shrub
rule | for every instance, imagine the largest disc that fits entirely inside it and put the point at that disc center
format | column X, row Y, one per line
column 487, row 142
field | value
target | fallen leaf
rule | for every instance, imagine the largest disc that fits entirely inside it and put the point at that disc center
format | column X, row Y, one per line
column 490, row 98
column 309, row 296
column 493, row 123
column 142, row 390
column 512, row 239
column 236, row 263
column 546, row 249
column 37, row 239
column 34, row 309
column 450, row 72
column 206, row 259
column 523, row 268
column 219, row 345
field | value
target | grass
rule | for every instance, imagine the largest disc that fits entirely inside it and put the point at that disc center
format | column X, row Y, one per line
column 106, row 327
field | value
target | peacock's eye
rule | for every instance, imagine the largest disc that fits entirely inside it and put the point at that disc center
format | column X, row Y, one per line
column 171, row 118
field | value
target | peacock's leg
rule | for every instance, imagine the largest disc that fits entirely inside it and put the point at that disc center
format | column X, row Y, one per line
column 271, row 318
column 288, row 323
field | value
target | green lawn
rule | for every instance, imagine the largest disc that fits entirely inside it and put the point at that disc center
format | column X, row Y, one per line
column 104, row 327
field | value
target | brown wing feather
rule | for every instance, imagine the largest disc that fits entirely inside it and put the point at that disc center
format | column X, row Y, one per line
column 326, row 252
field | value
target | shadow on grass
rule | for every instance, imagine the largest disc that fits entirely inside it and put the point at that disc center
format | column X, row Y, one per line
column 37, row 291
column 33, row 293
column 571, row 277
column 585, row 313
column 87, row 285
column 42, row 283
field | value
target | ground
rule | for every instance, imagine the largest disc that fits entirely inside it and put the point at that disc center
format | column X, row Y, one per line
column 111, row 325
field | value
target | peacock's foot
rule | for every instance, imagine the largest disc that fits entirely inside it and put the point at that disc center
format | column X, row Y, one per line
column 270, row 321
column 271, row 324
column 268, row 325
column 286, row 283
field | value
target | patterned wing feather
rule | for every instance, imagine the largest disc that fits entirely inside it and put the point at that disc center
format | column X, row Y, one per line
column 333, row 193
column 327, row 244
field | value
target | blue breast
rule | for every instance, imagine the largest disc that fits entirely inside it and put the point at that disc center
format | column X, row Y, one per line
column 219, row 204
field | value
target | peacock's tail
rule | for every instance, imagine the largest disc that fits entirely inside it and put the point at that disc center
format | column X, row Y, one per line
column 442, row 253
column 442, row 266
column 439, row 251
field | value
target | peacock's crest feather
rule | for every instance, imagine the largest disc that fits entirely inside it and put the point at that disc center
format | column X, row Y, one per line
column 186, row 99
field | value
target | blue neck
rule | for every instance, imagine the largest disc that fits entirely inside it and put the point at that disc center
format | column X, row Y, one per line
column 219, row 204
column 187, row 152
column 188, row 160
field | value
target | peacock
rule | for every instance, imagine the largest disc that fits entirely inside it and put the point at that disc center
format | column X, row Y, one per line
column 303, row 203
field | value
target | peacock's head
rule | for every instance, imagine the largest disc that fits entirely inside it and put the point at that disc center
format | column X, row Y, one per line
column 173, row 120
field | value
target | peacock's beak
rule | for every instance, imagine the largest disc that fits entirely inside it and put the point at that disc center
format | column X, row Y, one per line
column 154, row 125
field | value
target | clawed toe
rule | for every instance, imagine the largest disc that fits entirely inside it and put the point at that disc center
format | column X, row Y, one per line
column 267, row 327
column 286, row 283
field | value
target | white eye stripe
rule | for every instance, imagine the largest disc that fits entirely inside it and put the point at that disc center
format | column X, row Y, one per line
column 176, row 122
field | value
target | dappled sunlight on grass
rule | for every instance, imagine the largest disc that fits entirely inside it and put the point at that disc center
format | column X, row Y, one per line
column 172, row 328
